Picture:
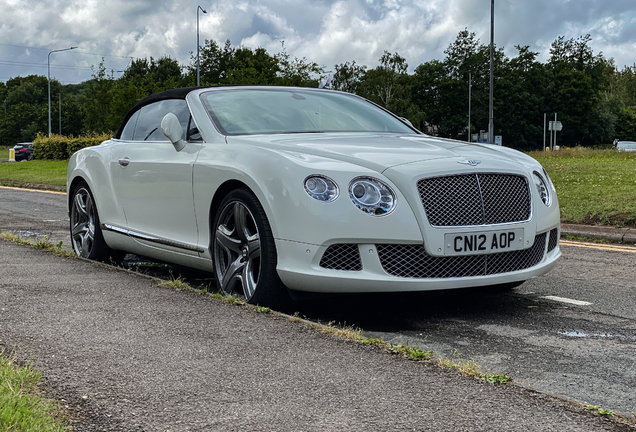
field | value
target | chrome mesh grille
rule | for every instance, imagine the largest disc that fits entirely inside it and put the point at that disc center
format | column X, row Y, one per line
column 475, row 199
column 554, row 239
column 412, row 261
column 342, row 257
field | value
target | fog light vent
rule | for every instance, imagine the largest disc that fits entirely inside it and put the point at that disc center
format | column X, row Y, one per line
column 342, row 257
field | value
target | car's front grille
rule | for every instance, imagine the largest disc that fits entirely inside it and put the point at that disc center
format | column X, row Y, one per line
column 412, row 261
column 554, row 239
column 342, row 257
column 475, row 199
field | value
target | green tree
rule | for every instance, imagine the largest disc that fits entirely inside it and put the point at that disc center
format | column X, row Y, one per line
column 25, row 108
column 98, row 100
column 252, row 67
column 382, row 84
column 578, row 80
column 296, row 71
column 214, row 63
column 347, row 76
column 520, row 98
column 625, row 128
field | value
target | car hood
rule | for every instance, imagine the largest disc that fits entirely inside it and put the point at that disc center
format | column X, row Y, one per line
column 380, row 152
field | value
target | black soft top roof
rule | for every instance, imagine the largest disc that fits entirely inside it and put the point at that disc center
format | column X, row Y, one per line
column 177, row 93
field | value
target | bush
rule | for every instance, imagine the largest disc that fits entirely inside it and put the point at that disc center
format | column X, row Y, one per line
column 59, row 147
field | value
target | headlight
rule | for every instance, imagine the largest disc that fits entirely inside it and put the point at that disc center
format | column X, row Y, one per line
column 321, row 188
column 372, row 196
column 549, row 180
column 542, row 188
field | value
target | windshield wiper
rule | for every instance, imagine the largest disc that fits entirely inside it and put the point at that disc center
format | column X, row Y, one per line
column 150, row 133
column 301, row 132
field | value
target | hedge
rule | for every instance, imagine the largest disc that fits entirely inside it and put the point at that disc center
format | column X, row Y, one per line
column 60, row 147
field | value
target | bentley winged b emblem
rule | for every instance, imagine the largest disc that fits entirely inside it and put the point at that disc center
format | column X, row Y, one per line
column 471, row 162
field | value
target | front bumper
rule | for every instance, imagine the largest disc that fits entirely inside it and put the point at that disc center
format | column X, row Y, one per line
column 299, row 267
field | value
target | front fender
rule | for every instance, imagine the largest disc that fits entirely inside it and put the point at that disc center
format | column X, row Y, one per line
column 276, row 177
column 92, row 164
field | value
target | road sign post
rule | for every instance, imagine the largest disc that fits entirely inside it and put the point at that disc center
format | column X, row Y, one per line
column 554, row 127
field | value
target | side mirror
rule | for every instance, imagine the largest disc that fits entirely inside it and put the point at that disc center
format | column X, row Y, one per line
column 171, row 128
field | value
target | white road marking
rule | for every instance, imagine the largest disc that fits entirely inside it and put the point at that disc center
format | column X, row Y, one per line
column 52, row 220
column 567, row 300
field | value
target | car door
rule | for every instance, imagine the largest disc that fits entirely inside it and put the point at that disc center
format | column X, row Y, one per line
column 154, row 184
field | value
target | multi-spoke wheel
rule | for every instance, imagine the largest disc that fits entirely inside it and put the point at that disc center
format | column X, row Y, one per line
column 244, row 252
column 86, row 234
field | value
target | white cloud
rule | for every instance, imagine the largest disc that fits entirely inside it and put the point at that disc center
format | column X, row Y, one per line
column 324, row 31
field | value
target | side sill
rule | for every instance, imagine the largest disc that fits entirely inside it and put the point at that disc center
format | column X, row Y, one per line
column 149, row 238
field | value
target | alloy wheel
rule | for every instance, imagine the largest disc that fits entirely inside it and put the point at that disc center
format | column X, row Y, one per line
column 237, row 250
column 83, row 223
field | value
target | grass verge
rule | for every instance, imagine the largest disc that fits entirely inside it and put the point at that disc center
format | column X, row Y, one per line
column 593, row 186
column 51, row 172
column 22, row 407
column 39, row 244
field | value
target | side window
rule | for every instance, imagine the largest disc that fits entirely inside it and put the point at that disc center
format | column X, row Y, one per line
column 129, row 129
column 193, row 132
column 149, row 122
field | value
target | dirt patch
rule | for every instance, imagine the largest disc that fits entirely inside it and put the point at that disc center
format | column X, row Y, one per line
column 620, row 220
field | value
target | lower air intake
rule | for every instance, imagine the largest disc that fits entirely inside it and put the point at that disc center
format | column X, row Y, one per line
column 342, row 257
column 412, row 261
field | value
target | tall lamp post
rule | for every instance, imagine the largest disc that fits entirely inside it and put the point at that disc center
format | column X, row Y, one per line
column 491, row 113
column 469, row 90
column 49, row 80
column 198, row 73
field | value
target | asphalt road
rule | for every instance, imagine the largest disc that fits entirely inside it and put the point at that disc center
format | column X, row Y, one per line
column 582, row 351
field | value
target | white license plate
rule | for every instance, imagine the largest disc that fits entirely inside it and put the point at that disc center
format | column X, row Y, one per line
column 485, row 242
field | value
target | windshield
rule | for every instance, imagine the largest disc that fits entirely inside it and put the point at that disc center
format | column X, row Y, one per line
column 265, row 111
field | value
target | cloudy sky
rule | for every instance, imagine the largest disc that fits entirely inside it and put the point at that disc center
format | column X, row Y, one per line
column 324, row 31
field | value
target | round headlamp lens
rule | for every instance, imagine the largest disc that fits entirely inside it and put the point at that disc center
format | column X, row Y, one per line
column 372, row 196
column 321, row 188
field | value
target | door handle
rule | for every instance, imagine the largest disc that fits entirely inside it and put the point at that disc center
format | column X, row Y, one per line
column 124, row 161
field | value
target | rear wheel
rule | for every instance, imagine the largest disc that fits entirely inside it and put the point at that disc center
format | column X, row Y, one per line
column 86, row 234
column 244, row 252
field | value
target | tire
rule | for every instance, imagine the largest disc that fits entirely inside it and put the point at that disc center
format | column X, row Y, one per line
column 86, row 235
column 244, row 253
column 30, row 157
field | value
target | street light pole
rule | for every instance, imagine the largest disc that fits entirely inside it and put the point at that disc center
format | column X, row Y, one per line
column 469, row 89
column 491, row 114
column 49, row 81
column 198, row 73
column 59, row 100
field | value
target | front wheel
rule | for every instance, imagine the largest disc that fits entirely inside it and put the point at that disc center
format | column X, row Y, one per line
column 86, row 234
column 244, row 252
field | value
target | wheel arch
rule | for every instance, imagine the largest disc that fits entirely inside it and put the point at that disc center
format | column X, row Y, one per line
column 225, row 188
column 71, row 190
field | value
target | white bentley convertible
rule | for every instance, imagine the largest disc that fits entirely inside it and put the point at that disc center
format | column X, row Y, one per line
column 312, row 190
